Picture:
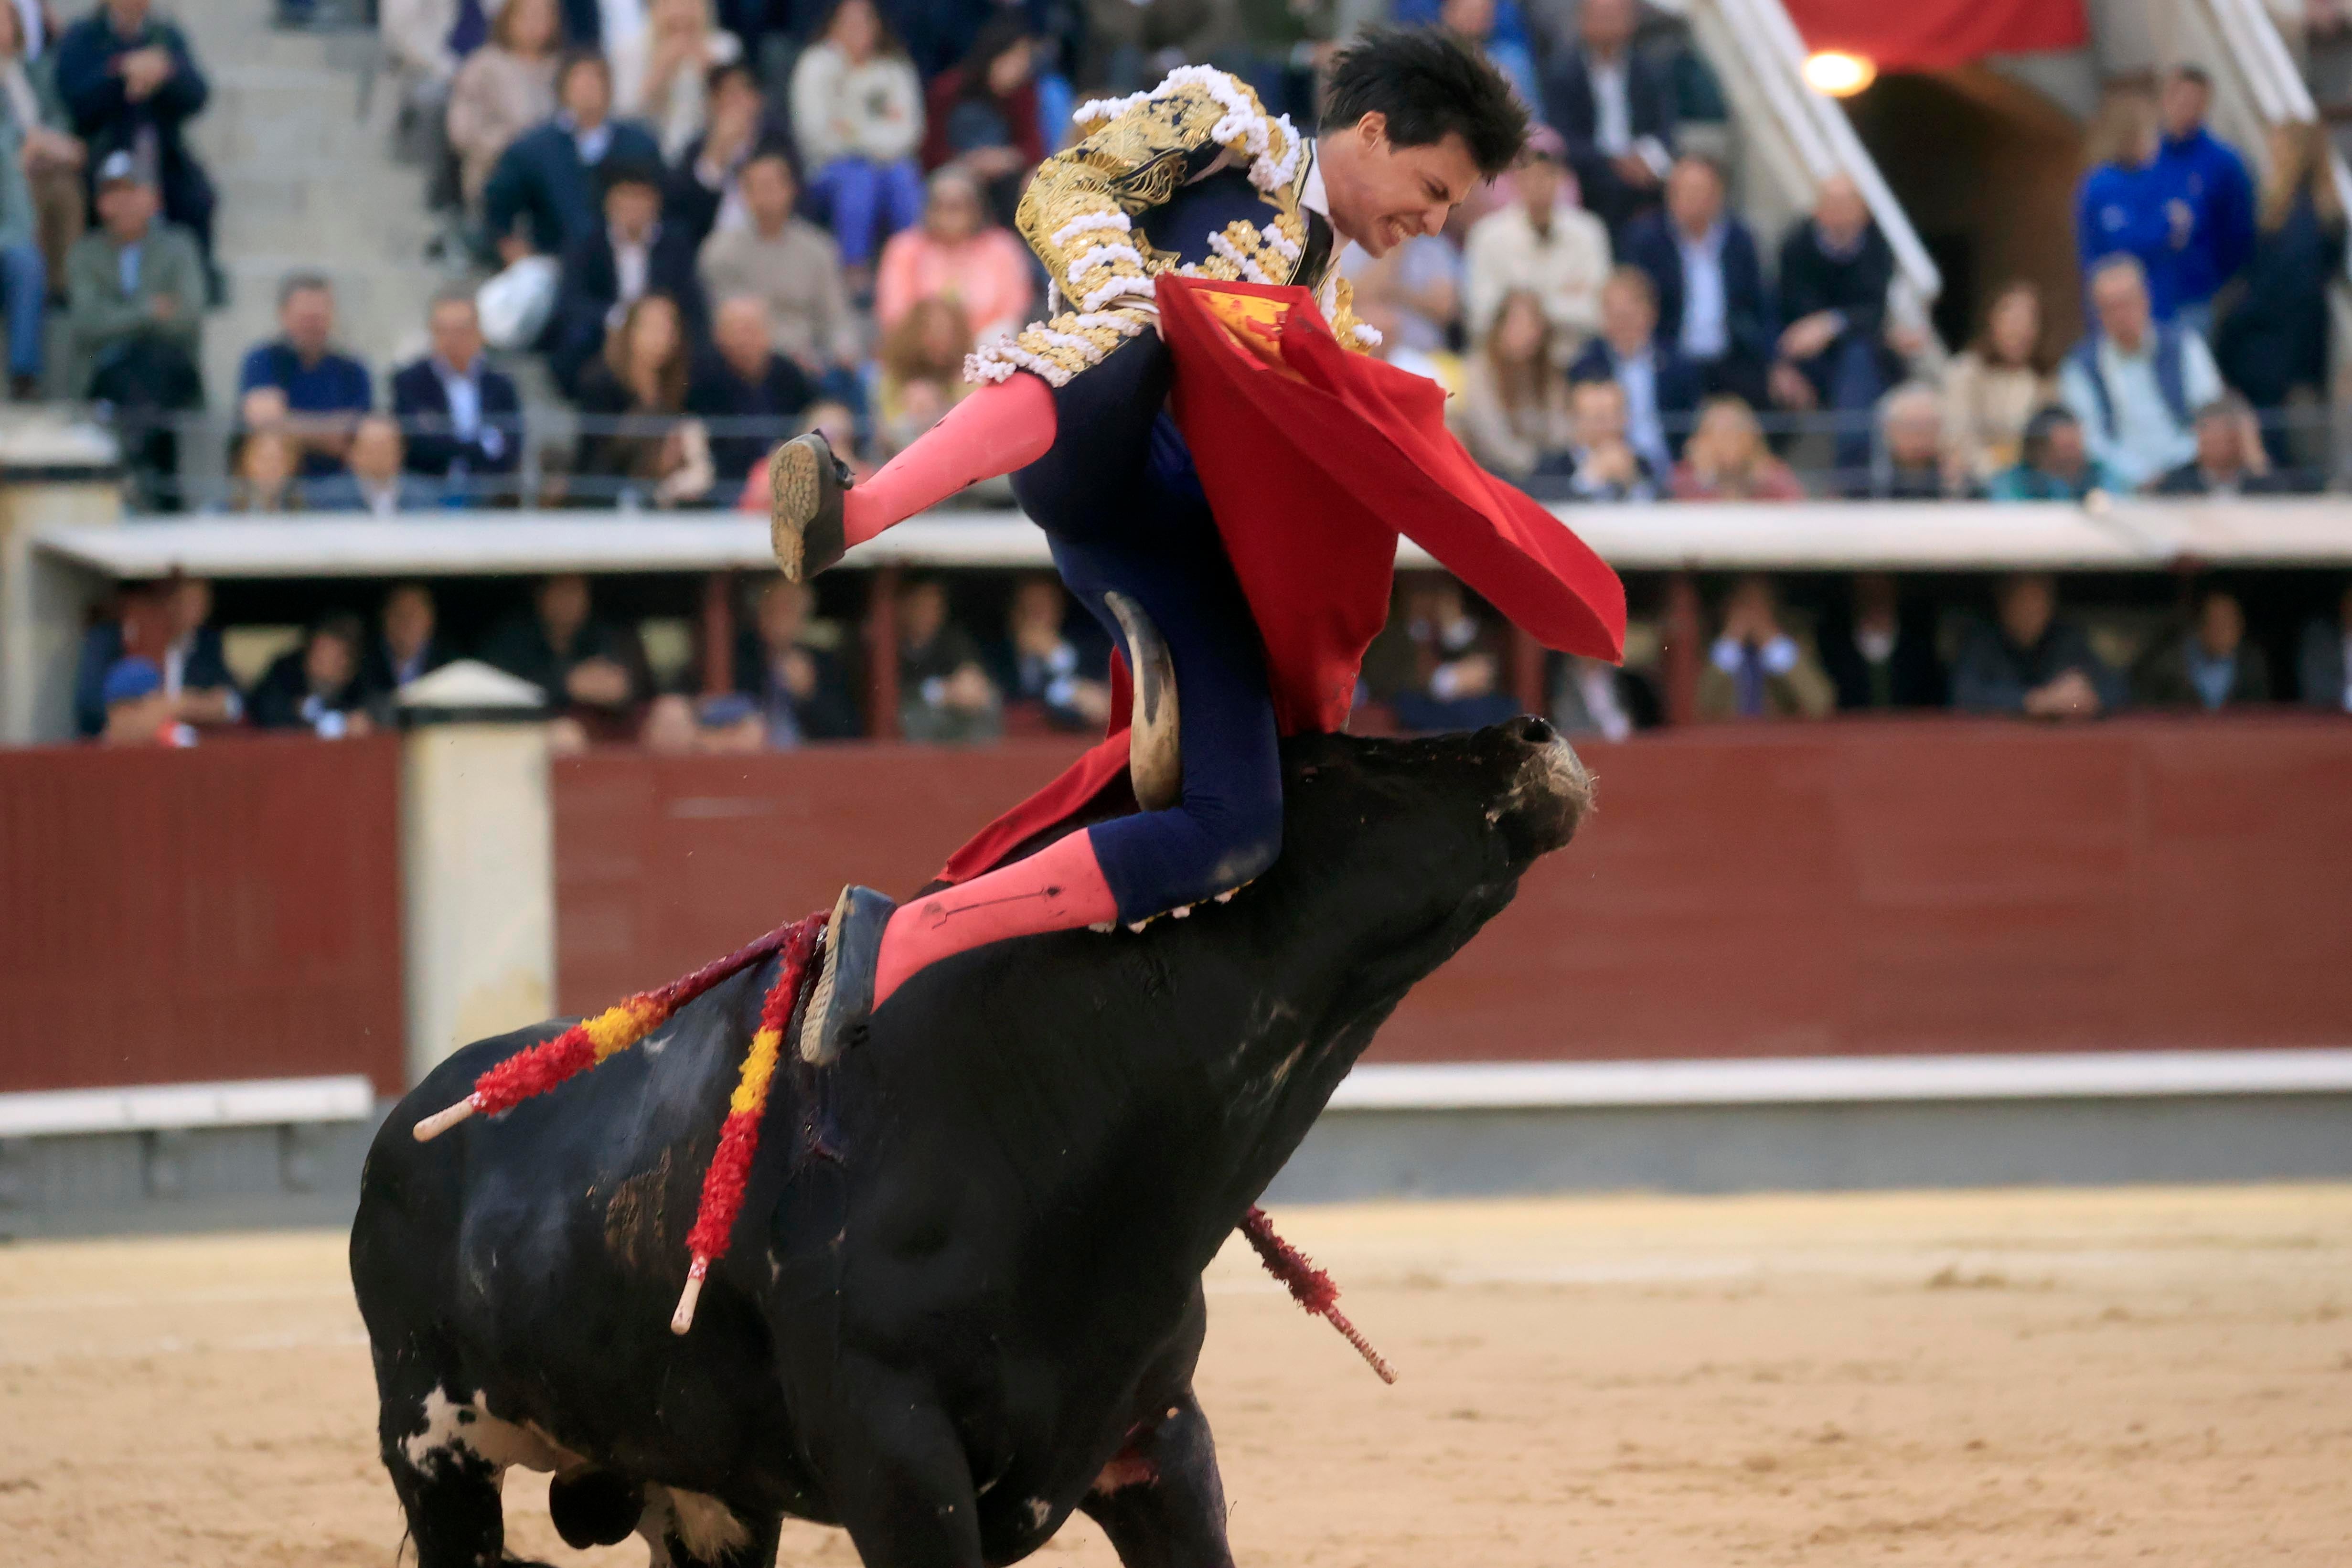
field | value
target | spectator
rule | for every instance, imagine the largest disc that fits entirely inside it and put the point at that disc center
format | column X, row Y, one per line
column 428, row 43
column 1280, row 46
column 1662, row 390
column 922, row 373
column 1603, row 466
column 2055, row 463
column 662, row 80
column 1590, row 697
column 1839, row 349
column 2324, row 664
column 800, row 690
column 857, row 114
column 317, row 685
column 1993, row 386
column 375, row 478
column 1880, row 651
column 2230, row 458
column 135, row 314
column 1709, row 280
column 53, row 159
column 1042, row 666
column 2275, row 342
column 1543, row 243
column 944, row 693
column 132, row 85
column 1758, row 668
column 135, row 710
column 2029, row 662
column 2134, row 384
column 1725, row 459
column 504, row 89
column 2208, row 666
column 793, row 265
column 1130, row 45
column 263, row 466
column 1413, row 295
column 2203, row 177
column 1911, row 462
column 706, row 190
column 1475, row 23
column 1514, row 407
column 749, row 394
column 320, row 394
column 609, row 269
column 170, row 625
column 981, row 116
column 1616, row 111
column 408, row 645
column 637, row 446
column 957, row 255
column 589, row 669
column 544, row 192
column 2123, row 208
column 23, row 275
column 463, row 418
column 1436, row 664
column 678, row 726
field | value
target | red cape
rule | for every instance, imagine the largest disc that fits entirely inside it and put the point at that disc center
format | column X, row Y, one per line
column 1314, row 460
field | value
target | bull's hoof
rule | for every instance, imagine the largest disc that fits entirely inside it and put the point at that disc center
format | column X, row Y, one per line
column 805, row 484
column 1155, row 762
column 844, row 994
column 594, row 1508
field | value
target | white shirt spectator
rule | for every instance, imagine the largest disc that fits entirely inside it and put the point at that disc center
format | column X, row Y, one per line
column 1613, row 108
column 1564, row 268
column 1646, row 429
column 873, row 111
column 2147, row 442
column 1706, row 327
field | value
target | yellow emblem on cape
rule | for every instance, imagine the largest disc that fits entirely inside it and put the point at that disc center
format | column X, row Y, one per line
column 1254, row 322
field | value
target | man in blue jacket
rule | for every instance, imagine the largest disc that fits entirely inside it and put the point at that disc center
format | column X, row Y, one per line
column 463, row 420
column 2205, row 182
column 131, row 84
column 1712, row 305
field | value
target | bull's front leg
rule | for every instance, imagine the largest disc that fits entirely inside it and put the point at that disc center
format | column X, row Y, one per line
column 1161, row 1501
column 896, row 1474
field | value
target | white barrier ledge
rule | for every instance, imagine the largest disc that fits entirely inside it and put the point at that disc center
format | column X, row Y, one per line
column 2090, row 1075
column 259, row 1101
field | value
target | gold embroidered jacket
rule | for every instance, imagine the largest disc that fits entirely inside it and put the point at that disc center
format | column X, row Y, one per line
column 1086, row 213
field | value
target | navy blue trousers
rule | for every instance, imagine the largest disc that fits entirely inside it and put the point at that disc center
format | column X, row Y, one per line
column 1122, row 506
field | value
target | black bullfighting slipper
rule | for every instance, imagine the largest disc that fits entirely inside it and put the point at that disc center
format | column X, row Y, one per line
column 805, row 482
column 844, row 986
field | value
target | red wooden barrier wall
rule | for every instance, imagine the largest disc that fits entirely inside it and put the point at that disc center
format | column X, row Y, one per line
column 1834, row 889
column 231, row 911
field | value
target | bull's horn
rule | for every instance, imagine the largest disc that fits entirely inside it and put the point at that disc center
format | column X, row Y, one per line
column 1154, row 759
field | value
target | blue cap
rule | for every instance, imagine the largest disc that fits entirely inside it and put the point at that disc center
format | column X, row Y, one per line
column 131, row 679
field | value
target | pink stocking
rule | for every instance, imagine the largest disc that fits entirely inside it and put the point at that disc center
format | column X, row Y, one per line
column 1006, row 425
column 1057, row 889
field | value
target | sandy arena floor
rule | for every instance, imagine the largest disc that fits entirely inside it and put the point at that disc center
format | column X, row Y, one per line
column 2039, row 1378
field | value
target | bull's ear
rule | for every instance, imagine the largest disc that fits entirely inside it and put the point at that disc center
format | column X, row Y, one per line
column 1154, row 754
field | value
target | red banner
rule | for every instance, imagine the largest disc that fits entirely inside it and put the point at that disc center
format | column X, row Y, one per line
column 1937, row 34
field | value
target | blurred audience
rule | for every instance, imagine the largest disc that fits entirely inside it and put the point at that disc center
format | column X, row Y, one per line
column 923, row 373
column 265, row 473
column 956, row 253
column 408, row 644
column 1513, row 408
column 463, row 418
column 504, row 89
column 1839, row 351
column 660, row 79
column 297, row 381
column 2209, row 198
column 1602, row 465
column 1413, row 294
column 132, row 85
column 747, row 395
column 2124, row 208
column 316, row 686
column 1477, row 24
column 2054, row 463
column 1993, row 386
column 2031, row 662
column 792, row 264
column 375, row 478
column 857, row 116
column 609, row 269
column 1541, row 243
column 544, row 192
column 636, row 447
column 2272, row 346
column 1709, row 282
column 134, row 315
column 1911, row 461
column 705, row 190
column 1042, row 667
column 1436, row 664
column 1726, row 460
column 591, row 669
column 55, row 160
column 2324, row 662
column 981, row 116
column 1616, row 112
column 1591, row 697
column 168, row 627
column 799, row 690
column 2230, row 458
column 944, row 692
column 2134, row 384
column 1662, row 390
column 2210, row 665
column 1879, row 650
column 1756, row 667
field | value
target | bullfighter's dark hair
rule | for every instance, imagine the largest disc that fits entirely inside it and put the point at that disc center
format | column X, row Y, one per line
column 1430, row 85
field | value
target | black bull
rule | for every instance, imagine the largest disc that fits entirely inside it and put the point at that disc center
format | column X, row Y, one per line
column 964, row 1296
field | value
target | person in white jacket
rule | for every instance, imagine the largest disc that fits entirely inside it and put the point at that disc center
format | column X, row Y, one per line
column 857, row 114
column 1542, row 243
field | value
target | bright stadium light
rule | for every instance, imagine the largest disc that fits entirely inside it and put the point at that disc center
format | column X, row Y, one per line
column 1839, row 74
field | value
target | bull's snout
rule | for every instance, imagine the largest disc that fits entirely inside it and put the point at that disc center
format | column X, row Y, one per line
column 1550, row 790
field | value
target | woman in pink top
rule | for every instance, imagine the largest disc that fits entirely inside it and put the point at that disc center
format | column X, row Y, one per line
column 956, row 253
